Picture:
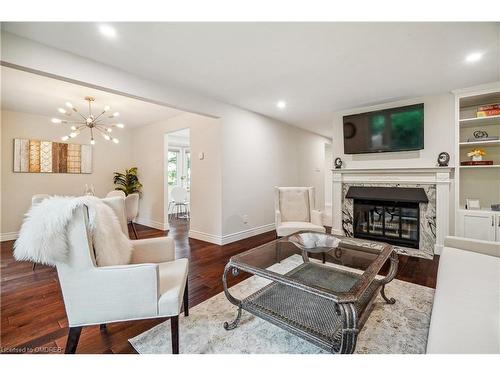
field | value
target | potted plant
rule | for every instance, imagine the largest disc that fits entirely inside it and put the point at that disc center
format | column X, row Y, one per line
column 127, row 182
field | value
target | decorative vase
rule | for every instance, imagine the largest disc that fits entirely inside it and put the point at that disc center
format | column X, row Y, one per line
column 477, row 158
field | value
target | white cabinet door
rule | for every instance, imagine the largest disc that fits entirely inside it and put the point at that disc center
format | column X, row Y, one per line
column 498, row 227
column 478, row 225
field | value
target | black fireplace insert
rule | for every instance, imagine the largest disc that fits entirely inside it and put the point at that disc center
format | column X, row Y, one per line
column 387, row 214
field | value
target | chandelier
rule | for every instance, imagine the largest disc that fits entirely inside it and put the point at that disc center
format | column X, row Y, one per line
column 97, row 124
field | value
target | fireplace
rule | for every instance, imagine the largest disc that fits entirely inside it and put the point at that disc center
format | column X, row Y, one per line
column 388, row 214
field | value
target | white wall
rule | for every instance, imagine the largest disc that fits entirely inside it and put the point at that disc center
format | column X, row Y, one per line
column 18, row 188
column 312, row 163
column 439, row 135
column 258, row 155
column 256, row 151
column 148, row 155
column 328, row 174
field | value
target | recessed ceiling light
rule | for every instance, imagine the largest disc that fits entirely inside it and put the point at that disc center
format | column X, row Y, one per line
column 108, row 31
column 473, row 57
column 281, row 104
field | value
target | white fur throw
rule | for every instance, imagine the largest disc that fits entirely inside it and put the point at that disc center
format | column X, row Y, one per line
column 43, row 235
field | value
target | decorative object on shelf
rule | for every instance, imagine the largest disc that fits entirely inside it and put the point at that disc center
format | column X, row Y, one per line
column 476, row 154
column 495, row 207
column 472, row 204
column 338, row 163
column 443, row 159
column 34, row 156
column 96, row 123
column 480, row 134
column 89, row 190
column 488, row 110
column 127, row 182
column 485, row 139
column 472, row 163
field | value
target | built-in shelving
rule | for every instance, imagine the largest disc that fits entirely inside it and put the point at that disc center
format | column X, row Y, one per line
column 480, row 166
column 480, row 182
column 480, row 121
column 480, row 143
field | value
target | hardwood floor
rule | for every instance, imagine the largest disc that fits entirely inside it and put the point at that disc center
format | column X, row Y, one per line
column 33, row 318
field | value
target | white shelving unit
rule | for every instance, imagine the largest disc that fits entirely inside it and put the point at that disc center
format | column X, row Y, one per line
column 477, row 181
column 480, row 143
column 479, row 166
column 479, row 121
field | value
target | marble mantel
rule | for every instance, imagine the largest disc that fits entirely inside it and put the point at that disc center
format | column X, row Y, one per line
column 440, row 177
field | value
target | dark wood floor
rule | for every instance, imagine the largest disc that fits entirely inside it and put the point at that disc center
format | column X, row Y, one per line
column 33, row 318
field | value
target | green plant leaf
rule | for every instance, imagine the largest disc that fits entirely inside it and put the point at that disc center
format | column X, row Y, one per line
column 127, row 182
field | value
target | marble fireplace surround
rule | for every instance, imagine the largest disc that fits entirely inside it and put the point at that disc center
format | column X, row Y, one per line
column 434, row 215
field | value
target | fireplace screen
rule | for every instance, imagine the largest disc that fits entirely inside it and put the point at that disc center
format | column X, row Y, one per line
column 393, row 222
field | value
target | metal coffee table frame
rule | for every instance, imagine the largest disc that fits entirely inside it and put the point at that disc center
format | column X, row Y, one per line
column 331, row 321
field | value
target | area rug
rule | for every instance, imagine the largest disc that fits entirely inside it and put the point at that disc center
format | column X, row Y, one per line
column 400, row 328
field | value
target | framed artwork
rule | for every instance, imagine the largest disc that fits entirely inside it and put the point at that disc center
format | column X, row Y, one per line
column 34, row 156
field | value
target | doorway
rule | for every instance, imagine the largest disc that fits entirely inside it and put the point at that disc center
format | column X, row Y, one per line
column 178, row 178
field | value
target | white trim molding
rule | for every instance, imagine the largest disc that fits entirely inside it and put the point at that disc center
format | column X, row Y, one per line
column 441, row 177
column 233, row 237
column 9, row 236
column 207, row 237
column 152, row 223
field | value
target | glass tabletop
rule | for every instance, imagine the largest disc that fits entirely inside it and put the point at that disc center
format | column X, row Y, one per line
column 350, row 264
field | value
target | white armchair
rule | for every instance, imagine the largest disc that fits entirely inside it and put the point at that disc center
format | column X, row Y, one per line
column 294, row 211
column 153, row 285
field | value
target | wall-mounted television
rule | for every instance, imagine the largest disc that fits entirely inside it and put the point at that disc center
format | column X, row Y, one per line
column 393, row 129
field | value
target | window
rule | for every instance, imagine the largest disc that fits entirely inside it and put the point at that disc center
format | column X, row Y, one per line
column 173, row 167
column 188, row 169
column 179, row 167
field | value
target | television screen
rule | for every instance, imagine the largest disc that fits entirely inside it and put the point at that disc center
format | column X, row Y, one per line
column 394, row 129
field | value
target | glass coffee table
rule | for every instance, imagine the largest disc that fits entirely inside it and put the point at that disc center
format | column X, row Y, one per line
column 325, row 303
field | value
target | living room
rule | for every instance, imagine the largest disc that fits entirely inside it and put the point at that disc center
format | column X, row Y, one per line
column 239, row 193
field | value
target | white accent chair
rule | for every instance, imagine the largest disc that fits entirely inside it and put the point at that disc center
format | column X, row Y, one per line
column 132, row 209
column 116, row 193
column 153, row 285
column 294, row 211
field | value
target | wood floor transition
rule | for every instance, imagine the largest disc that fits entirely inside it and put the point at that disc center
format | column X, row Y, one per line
column 33, row 318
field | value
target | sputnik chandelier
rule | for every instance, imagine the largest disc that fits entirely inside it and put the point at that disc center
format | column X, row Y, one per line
column 100, row 123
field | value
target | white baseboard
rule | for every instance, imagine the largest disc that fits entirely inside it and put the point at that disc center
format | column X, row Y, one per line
column 9, row 236
column 233, row 237
column 207, row 237
column 152, row 223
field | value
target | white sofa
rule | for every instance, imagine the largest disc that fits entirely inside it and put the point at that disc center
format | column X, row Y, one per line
column 466, row 311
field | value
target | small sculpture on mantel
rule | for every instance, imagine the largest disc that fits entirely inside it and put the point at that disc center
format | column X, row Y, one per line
column 338, row 163
column 443, row 159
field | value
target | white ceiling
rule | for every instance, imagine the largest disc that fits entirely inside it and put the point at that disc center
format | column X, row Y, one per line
column 32, row 93
column 317, row 68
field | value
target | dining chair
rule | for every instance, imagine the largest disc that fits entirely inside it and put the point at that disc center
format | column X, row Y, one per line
column 116, row 193
column 132, row 209
column 179, row 200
